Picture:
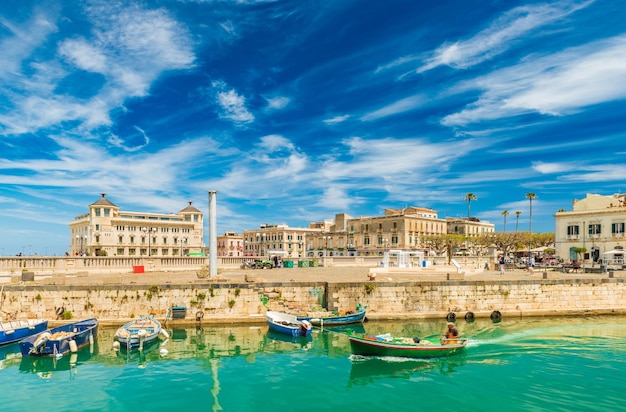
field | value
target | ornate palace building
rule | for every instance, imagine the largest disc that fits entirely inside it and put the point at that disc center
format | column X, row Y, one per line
column 107, row 231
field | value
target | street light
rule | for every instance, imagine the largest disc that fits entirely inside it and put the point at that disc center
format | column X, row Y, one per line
column 149, row 231
column 182, row 240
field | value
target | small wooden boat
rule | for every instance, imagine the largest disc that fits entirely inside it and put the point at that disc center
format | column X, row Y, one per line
column 16, row 330
column 288, row 324
column 139, row 332
column 338, row 319
column 61, row 340
column 386, row 345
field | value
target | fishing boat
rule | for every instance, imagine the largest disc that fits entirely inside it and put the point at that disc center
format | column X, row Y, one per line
column 61, row 340
column 288, row 324
column 139, row 332
column 16, row 330
column 387, row 345
column 338, row 319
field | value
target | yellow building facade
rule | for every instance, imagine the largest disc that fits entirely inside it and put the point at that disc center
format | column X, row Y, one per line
column 107, row 231
column 596, row 224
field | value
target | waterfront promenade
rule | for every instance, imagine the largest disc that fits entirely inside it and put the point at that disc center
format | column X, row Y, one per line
column 319, row 274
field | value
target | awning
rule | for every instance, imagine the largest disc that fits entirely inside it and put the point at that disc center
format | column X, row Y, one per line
column 614, row 252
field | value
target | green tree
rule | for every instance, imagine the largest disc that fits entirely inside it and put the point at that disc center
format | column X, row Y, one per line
column 469, row 197
column 517, row 213
column 505, row 213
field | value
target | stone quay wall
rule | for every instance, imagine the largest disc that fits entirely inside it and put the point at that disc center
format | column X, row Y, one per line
column 216, row 302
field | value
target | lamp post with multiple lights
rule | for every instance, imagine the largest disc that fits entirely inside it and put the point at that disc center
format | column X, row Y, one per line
column 149, row 232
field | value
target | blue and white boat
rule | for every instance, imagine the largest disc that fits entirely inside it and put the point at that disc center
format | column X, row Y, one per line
column 61, row 340
column 288, row 324
column 338, row 319
column 139, row 332
column 15, row 330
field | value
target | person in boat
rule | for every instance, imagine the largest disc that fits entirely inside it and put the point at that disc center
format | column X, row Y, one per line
column 452, row 332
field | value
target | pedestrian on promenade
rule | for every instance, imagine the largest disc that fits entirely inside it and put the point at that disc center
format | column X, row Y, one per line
column 531, row 265
column 502, row 262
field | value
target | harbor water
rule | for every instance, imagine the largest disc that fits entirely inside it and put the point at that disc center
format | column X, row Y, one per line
column 530, row 364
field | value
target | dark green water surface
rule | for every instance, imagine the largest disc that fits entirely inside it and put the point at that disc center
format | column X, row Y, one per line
column 531, row 364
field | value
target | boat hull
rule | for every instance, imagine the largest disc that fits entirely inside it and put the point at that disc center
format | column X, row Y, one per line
column 15, row 331
column 61, row 340
column 371, row 346
column 130, row 336
column 339, row 320
column 288, row 324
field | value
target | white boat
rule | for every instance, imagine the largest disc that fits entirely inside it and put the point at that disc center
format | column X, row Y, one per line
column 139, row 332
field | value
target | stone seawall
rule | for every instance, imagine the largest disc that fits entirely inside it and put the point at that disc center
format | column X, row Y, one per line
column 247, row 302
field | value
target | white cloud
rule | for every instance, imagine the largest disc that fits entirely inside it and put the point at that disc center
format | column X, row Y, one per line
column 397, row 107
column 337, row 119
column 554, row 167
column 558, row 84
column 129, row 46
column 278, row 102
column 234, row 107
column 497, row 38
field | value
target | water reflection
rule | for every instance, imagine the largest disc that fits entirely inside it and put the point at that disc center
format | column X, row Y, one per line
column 46, row 366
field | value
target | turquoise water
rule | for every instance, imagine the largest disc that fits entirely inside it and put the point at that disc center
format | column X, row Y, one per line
column 533, row 364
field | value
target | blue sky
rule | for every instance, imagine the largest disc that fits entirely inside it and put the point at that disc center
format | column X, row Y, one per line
column 297, row 110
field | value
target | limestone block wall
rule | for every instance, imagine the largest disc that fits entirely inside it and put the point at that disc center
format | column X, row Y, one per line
column 229, row 303
column 428, row 299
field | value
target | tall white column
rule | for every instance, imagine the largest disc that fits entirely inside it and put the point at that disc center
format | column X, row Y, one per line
column 212, row 233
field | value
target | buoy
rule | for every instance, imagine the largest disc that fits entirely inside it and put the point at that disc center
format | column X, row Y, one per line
column 496, row 316
column 116, row 345
column 60, row 310
column 469, row 316
column 91, row 338
column 142, row 333
column 451, row 317
column 199, row 315
column 73, row 346
column 164, row 334
column 163, row 352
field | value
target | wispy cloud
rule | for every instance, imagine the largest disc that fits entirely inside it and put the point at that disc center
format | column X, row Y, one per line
column 232, row 106
column 401, row 106
column 497, row 38
column 129, row 47
column 278, row 102
column 557, row 84
column 337, row 119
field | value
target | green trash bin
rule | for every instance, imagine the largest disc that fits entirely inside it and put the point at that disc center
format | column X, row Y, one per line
column 303, row 264
column 288, row 264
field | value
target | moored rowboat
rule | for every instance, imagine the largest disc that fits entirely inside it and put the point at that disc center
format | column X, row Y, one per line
column 62, row 339
column 139, row 332
column 288, row 324
column 338, row 319
column 386, row 345
column 16, row 330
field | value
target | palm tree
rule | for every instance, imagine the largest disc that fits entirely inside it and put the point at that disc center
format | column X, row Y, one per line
column 505, row 213
column 517, row 213
column 530, row 196
column 469, row 197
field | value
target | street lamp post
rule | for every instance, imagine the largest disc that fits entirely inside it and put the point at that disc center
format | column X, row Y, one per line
column 183, row 240
column 149, row 231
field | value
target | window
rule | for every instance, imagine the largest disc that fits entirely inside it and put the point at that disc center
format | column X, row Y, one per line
column 366, row 241
column 98, row 212
column 120, row 252
column 97, row 227
column 617, row 229
column 120, row 239
column 595, row 229
column 107, row 212
column 572, row 230
column 394, row 240
column 132, row 239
